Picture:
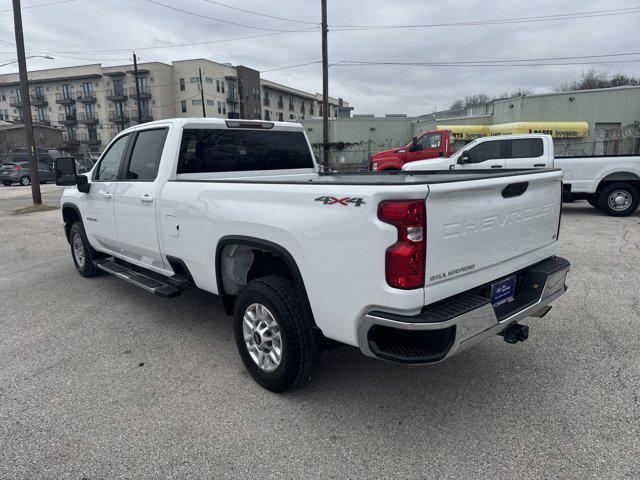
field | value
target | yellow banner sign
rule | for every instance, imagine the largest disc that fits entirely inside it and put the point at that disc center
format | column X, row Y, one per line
column 555, row 129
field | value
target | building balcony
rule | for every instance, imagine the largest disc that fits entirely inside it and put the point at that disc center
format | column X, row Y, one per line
column 65, row 98
column 119, row 117
column 291, row 107
column 146, row 115
column 116, row 95
column 15, row 102
column 39, row 101
column 70, row 140
column 86, row 97
column 43, row 121
column 88, row 119
column 68, row 120
column 266, row 102
column 143, row 93
column 280, row 105
column 90, row 139
column 233, row 98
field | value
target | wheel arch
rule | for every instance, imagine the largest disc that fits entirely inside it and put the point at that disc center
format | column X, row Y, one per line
column 268, row 247
column 619, row 176
column 70, row 215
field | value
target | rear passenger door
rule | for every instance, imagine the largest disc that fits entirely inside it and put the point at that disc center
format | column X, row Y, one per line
column 526, row 153
column 485, row 155
column 135, row 198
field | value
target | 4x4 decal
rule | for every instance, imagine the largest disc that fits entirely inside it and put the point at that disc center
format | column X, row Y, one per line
column 327, row 200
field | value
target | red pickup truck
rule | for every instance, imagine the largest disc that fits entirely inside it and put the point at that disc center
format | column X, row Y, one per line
column 430, row 144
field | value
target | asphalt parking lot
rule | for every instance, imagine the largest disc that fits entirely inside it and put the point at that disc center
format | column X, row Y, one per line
column 99, row 379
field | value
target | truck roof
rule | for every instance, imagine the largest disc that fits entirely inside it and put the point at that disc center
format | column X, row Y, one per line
column 199, row 122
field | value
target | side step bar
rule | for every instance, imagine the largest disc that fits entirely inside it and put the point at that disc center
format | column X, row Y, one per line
column 138, row 279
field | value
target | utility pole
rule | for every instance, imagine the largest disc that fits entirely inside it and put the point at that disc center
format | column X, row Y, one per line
column 26, row 105
column 325, row 90
column 204, row 111
column 135, row 72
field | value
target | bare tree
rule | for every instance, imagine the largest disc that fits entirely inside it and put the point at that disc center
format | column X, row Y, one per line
column 593, row 78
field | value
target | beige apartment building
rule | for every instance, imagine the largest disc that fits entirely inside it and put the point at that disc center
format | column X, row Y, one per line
column 92, row 103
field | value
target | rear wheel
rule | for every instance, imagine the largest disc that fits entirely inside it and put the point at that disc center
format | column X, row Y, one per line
column 619, row 199
column 82, row 253
column 7, row 183
column 25, row 181
column 273, row 338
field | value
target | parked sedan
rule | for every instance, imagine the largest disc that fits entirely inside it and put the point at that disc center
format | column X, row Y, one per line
column 19, row 172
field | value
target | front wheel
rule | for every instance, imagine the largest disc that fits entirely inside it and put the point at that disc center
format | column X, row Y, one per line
column 619, row 199
column 273, row 338
column 25, row 181
column 83, row 254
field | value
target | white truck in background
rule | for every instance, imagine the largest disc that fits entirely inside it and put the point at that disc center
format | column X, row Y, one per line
column 610, row 183
column 410, row 268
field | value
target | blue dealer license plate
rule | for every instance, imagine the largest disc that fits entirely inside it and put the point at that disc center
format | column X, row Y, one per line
column 502, row 292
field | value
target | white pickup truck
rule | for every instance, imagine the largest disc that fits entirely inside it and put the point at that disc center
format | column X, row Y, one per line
column 610, row 183
column 409, row 268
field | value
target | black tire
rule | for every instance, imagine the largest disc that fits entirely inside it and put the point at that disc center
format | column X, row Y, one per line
column 299, row 352
column 86, row 267
column 25, row 181
column 7, row 183
column 626, row 191
column 594, row 201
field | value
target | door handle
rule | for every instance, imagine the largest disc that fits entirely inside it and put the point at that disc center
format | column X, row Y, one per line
column 107, row 196
column 539, row 165
column 146, row 198
column 496, row 166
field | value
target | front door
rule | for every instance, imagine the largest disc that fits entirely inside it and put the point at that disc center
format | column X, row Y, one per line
column 485, row 155
column 135, row 199
column 99, row 222
column 429, row 146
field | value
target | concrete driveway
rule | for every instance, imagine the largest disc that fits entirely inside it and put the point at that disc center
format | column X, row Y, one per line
column 99, row 379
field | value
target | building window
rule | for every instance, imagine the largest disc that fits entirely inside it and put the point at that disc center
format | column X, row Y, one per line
column 183, row 106
column 291, row 107
column 222, row 86
column 196, row 102
column 210, row 103
column 182, row 85
column 290, row 116
column 193, row 80
column 267, row 115
column 219, row 107
column 208, row 80
column 280, row 102
column 2, row 96
column 217, row 85
column 224, row 108
column 280, row 117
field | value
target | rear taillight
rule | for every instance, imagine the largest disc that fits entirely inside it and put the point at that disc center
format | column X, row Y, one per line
column 405, row 259
column 17, row 169
column 560, row 212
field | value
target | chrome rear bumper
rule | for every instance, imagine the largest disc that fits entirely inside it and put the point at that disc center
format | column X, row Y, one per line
column 455, row 324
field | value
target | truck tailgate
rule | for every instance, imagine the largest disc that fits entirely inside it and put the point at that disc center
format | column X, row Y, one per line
column 480, row 230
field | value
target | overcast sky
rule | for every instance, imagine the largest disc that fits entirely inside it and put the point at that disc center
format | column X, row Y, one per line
column 87, row 26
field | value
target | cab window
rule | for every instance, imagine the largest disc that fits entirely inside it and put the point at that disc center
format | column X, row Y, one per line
column 107, row 170
column 432, row 140
column 484, row 151
column 526, row 148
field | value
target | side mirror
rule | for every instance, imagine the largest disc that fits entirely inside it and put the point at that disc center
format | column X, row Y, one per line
column 464, row 158
column 65, row 168
column 83, row 183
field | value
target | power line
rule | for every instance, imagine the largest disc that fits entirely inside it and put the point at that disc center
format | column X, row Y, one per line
column 444, row 64
column 515, row 60
column 290, row 66
column 260, row 14
column 500, row 21
column 39, row 5
column 216, row 19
